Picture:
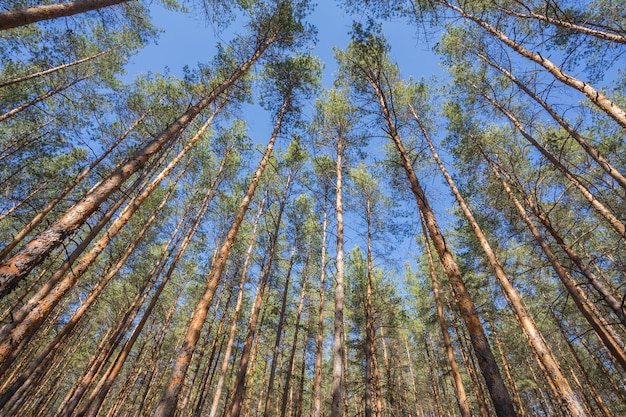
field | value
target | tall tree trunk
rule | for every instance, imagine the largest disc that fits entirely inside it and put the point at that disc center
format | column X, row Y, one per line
column 616, row 306
column 40, row 364
column 217, row 392
column 22, row 17
column 33, row 253
column 235, row 406
column 99, row 393
column 569, row 25
column 35, row 221
column 610, row 340
column 550, row 367
column 317, row 371
column 122, row 325
column 168, row 402
column 37, row 99
column 294, row 343
column 497, row 389
column 15, row 336
column 592, row 386
column 598, row 98
column 603, row 210
column 279, row 328
column 459, row 388
column 32, row 313
column 372, row 389
column 591, row 151
column 390, row 384
column 51, row 70
column 337, row 407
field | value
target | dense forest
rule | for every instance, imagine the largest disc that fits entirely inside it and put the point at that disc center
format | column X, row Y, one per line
column 394, row 245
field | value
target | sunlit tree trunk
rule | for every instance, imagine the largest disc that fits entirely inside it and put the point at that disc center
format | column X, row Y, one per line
column 52, row 70
column 236, row 403
column 287, row 388
column 317, row 371
column 598, row 98
column 549, row 365
column 21, row 17
column 593, row 317
column 33, row 253
column 461, row 396
column 337, row 405
column 177, row 376
column 497, row 389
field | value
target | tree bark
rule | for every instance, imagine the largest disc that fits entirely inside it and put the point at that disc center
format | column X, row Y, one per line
column 217, row 392
column 52, row 204
column 235, row 407
column 610, row 340
column 317, row 371
column 29, row 256
column 459, row 388
column 591, row 151
column 22, row 17
column 550, row 367
column 497, row 389
column 51, row 70
column 598, row 98
column 337, row 407
column 169, row 399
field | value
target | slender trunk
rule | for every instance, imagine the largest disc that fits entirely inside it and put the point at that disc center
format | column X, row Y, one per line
column 23, row 201
column 593, row 317
column 614, row 304
column 113, row 338
column 566, row 24
column 498, row 391
column 508, row 371
column 303, row 367
column 46, row 356
column 596, row 97
column 217, row 392
column 434, row 380
column 279, row 328
column 15, row 336
column 409, row 361
column 21, row 17
column 317, row 378
column 50, row 70
column 477, row 387
column 592, row 386
column 168, row 402
column 591, row 151
column 37, row 99
column 337, row 407
column 294, row 342
column 372, row 390
column 30, row 226
column 29, row 256
column 36, row 310
column 459, row 388
column 604, row 211
column 561, row 388
column 99, row 393
column 234, row 409
column 390, row 384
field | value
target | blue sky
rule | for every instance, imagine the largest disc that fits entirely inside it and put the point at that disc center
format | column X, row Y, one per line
column 188, row 40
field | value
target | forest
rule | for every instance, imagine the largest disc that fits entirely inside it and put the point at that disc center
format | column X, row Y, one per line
column 388, row 243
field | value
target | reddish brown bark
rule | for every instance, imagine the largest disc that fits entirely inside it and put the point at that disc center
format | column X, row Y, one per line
column 26, row 16
column 29, row 256
column 170, row 396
